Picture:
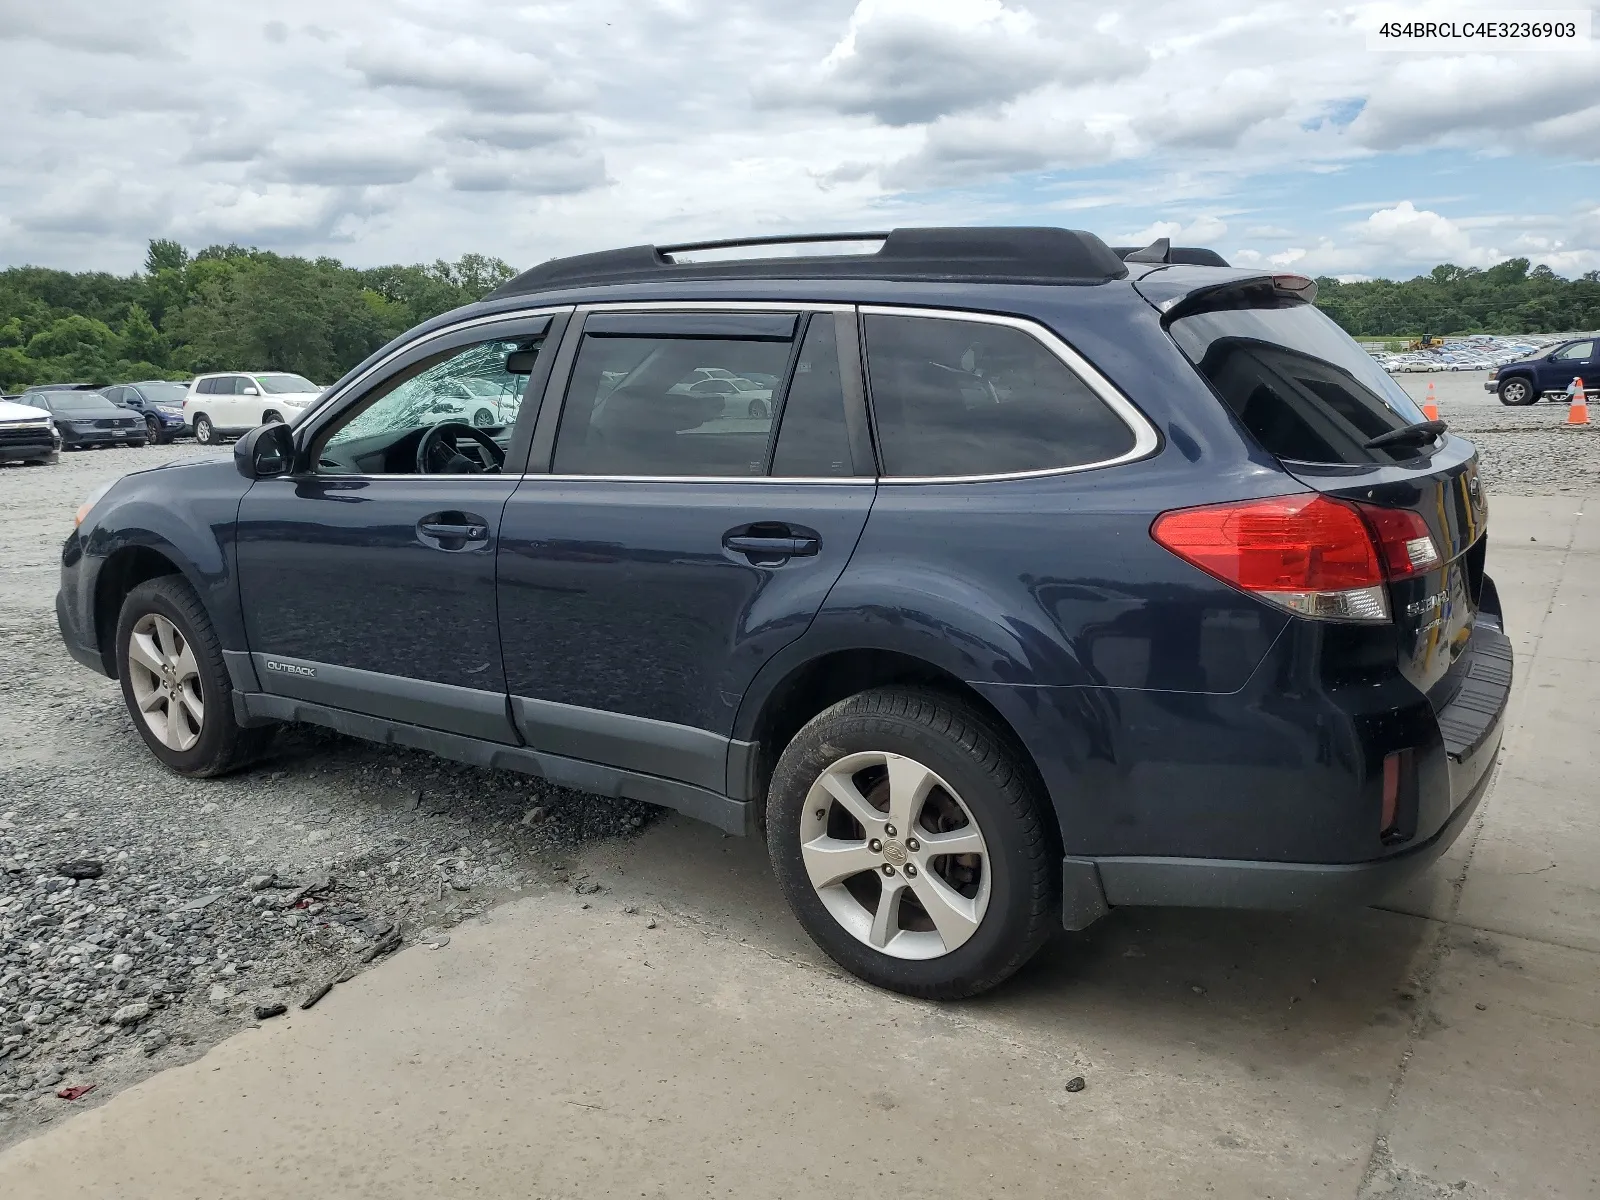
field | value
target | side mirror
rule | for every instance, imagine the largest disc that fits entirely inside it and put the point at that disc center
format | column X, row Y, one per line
column 250, row 391
column 265, row 451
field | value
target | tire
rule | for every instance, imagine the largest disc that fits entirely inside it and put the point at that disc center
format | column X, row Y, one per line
column 137, row 443
column 204, row 432
column 173, row 628
column 999, row 914
column 1518, row 392
column 759, row 408
column 271, row 417
column 482, row 418
column 152, row 429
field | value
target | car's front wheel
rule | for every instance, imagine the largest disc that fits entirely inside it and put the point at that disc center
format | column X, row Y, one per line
column 204, row 432
column 175, row 683
column 1518, row 391
column 912, row 843
column 152, row 428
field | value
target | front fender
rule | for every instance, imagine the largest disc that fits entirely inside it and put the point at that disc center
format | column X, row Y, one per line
column 188, row 514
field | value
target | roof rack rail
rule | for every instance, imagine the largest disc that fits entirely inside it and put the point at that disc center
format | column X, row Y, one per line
column 1163, row 251
column 776, row 239
column 998, row 254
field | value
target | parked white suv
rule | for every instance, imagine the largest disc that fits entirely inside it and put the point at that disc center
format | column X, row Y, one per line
column 228, row 404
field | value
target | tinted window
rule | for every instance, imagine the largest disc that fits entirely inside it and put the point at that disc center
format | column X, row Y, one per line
column 1298, row 382
column 162, row 393
column 210, row 387
column 79, row 403
column 380, row 434
column 957, row 397
column 812, row 438
column 117, row 395
column 277, row 385
column 637, row 406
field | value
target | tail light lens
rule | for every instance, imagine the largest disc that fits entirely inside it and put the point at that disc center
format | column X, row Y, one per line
column 1307, row 553
column 1403, row 539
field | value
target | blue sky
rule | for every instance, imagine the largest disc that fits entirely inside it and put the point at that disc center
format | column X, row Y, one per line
column 406, row 130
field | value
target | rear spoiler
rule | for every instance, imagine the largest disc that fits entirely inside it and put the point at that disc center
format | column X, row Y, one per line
column 1180, row 293
column 1163, row 251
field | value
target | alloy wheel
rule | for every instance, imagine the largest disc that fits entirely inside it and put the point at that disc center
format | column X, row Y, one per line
column 166, row 682
column 895, row 855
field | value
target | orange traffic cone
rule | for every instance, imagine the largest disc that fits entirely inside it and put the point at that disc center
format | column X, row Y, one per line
column 1429, row 408
column 1578, row 410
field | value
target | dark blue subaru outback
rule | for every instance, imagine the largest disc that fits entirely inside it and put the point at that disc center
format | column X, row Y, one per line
column 994, row 577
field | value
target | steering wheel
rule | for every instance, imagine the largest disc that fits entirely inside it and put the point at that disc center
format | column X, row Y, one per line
column 437, row 453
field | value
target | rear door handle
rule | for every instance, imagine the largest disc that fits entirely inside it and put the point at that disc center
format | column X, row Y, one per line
column 770, row 547
column 453, row 527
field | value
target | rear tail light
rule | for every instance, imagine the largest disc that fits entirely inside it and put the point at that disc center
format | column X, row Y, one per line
column 1403, row 541
column 1307, row 553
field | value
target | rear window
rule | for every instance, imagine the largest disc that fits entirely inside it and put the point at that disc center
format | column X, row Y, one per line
column 954, row 397
column 1301, row 385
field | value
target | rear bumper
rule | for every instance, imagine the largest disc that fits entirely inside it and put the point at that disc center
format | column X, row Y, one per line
column 1237, row 883
column 1469, row 730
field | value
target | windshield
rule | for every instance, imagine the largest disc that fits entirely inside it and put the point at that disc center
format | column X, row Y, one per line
column 75, row 402
column 164, row 393
column 1298, row 382
column 277, row 385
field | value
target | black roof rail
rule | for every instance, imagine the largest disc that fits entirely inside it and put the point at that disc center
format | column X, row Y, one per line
column 986, row 254
column 1163, row 251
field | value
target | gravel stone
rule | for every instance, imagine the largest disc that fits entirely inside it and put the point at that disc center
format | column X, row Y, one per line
column 132, row 1014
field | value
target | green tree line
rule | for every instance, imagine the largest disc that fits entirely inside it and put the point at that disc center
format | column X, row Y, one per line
column 221, row 308
column 233, row 308
column 1505, row 298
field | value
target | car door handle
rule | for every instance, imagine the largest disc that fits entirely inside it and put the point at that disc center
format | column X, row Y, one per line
column 465, row 533
column 770, row 547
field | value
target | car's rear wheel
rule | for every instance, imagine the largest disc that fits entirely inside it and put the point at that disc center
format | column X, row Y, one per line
column 175, row 683
column 912, row 843
column 1518, row 391
column 204, row 432
column 482, row 418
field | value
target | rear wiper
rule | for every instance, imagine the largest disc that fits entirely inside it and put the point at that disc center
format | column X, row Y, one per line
column 1422, row 431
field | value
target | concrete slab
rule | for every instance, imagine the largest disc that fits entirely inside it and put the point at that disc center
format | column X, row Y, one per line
column 558, row 1051
column 1536, row 872
column 1500, row 1089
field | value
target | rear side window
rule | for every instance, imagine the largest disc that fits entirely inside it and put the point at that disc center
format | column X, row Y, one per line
column 641, row 405
column 214, row 387
column 1302, row 386
column 955, row 397
column 813, row 439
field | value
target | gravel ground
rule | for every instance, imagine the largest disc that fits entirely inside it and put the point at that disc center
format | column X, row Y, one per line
column 1526, row 451
column 212, row 897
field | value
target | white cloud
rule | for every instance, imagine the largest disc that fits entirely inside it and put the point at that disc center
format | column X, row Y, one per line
column 386, row 132
column 908, row 62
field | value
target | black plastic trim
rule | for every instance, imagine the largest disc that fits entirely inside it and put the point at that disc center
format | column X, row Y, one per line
column 847, row 334
column 1241, row 883
column 728, row 815
column 444, row 706
column 241, row 670
column 744, row 765
column 1083, row 898
column 629, row 743
column 736, row 326
column 1466, row 722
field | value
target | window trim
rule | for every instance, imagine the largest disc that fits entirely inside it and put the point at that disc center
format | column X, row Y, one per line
column 554, row 402
column 1146, row 441
column 552, row 398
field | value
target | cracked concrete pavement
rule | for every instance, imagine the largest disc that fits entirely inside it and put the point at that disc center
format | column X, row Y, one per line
column 676, row 1035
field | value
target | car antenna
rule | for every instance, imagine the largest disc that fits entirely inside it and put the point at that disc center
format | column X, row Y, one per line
column 1158, row 251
